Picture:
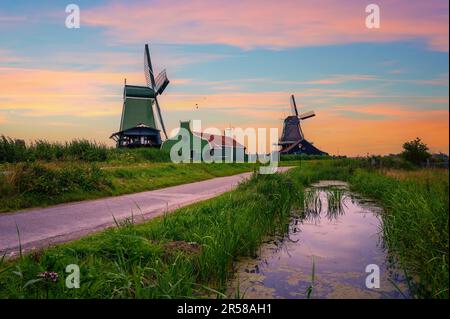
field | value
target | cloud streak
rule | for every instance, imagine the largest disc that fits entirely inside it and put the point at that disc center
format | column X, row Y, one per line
column 271, row 24
column 52, row 99
column 41, row 92
column 366, row 134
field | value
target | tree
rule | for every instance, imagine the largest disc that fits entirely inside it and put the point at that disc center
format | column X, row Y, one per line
column 415, row 151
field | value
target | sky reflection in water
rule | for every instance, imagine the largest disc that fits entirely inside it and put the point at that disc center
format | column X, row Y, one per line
column 342, row 233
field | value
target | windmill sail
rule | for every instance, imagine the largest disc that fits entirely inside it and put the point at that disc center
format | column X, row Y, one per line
column 294, row 105
column 161, row 82
column 148, row 69
column 306, row 115
column 157, row 85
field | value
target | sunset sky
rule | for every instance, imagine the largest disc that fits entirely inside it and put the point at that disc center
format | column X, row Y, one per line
column 371, row 89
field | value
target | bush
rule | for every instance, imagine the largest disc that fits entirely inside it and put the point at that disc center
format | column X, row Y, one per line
column 15, row 151
column 415, row 152
column 396, row 162
column 43, row 181
column 12, row 150
column 85, row 150
column 42, row 150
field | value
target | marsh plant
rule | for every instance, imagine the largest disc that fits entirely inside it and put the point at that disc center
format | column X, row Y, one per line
column 335, row 202
column 328, row 201
column 312, row 204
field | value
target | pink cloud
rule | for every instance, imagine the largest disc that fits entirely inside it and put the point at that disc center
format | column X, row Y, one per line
column 271, row 24
column 342, row 78
column 96, row 95
column 6, row 56
column 12, row 19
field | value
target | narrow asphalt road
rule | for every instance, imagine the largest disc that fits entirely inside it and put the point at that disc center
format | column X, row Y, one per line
column 42, row 227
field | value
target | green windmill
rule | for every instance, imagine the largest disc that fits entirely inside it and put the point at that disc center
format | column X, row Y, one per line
column 138, row 123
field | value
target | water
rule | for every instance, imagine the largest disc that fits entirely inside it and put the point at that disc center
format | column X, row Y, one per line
column 340, row 233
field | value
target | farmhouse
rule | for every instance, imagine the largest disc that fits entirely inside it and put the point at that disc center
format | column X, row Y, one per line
column 218, row 148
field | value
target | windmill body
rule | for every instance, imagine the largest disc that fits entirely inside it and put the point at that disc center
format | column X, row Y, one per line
column 292, row 139
column 141, row 110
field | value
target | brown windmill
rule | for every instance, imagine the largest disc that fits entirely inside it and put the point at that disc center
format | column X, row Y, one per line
column 292, row 139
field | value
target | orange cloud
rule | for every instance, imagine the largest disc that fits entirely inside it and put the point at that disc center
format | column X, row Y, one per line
column 273, row 24
column 38, row 103
column 377, row 128
column 358, row 136
column 36, row 92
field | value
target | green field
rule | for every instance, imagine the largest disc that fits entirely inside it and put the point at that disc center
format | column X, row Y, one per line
column 44, row 173
column 24, row 185
column 190, row 253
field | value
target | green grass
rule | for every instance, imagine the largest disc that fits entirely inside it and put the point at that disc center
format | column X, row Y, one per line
column 16, row 151
column 415, row 224
column 41, row 184
column 185, row 254
column 190, row 252
column 13, row 151
column 43, row 173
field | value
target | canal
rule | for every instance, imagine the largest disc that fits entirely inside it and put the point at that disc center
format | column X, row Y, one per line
column 333, row 249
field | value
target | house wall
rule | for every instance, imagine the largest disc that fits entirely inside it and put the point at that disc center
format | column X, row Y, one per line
column 193, row 140
column 220, row 154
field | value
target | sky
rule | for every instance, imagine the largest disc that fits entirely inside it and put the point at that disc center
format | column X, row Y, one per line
column 231, row 64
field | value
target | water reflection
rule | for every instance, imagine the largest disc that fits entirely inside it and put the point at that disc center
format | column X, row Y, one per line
column 341, row 233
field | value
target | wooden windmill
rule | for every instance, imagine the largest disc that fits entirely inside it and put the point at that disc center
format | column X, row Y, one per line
column 292, row 139
column 138, row 122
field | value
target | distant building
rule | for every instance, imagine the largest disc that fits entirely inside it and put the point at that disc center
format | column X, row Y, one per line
column 292, row 139
column 219, row 147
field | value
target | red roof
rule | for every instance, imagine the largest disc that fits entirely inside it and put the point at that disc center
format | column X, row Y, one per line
column 219, row 140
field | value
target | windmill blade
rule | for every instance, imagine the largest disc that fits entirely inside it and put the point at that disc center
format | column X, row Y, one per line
column 161, row 82
column 294, row 105
column 306, row 115
column 148, row 69
column 160, row 117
